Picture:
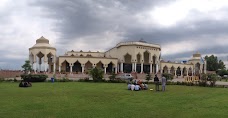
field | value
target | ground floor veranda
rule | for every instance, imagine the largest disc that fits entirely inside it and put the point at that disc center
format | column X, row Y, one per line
column 78, row 67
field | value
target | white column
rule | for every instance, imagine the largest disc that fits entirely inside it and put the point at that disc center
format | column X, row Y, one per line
column 156, row 68
column 83, row 68
column 141, row 67
column 105, row 70
column 161, row 71
column 121, row 67
column 133, row 65
column 54, row 68
column 40, row 64
column 34, row 67
column 71, row 69
column 45, row 67
column 181, row 72
column 175, row 72
column 59, row 68
column 117, row 67
column 151, row 67
column 39, row 67
column 187, row 72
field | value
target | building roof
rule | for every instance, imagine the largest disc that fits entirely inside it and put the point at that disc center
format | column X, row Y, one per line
column 42, row 42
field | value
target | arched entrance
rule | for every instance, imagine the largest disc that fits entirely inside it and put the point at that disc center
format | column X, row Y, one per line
column 197, row 69
column 146, row 65
column 40, row 56
column 165, row 69
column 88, row 65
column 172, row 70
column 66, row 65
column 110, row 68
column 50, row 58
column 127, row 63
column 77, row 67
column 184, row 71
column 178, row 72
column 100, row 65
column 190, row 71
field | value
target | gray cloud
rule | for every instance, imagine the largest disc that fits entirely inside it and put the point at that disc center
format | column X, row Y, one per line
column 84, row 24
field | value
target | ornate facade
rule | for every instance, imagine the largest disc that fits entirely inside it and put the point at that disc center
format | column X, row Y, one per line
column 125, row 57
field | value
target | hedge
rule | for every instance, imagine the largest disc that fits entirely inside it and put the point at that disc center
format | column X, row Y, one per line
column 34, row 77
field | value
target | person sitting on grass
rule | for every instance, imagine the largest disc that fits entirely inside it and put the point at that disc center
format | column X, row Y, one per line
column 137, row 88
column 140, row 84
column 145, row 86
column 132, row 87
column 129, row 86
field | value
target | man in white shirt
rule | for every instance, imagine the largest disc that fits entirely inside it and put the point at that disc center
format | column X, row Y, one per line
column 163, row 83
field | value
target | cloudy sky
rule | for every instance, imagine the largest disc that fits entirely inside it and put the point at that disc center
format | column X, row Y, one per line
column 181, row 27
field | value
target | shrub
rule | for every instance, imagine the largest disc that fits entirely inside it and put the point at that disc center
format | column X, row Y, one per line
column 97, row 74
column 212, row 78
column 203, row 80
column 64, row 80
column 84, row 80
column 34, row 77
column 168, row 76
column 1, row 79
column 117, row 81
column 112, row 77
column 179, row 83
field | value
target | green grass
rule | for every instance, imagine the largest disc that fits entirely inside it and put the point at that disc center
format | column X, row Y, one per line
column 107, row 100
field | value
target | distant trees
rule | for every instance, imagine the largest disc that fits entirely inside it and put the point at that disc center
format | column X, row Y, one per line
column 213, row 64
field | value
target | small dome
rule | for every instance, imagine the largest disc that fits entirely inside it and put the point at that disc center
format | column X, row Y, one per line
column 42, row 40
column 197, row 55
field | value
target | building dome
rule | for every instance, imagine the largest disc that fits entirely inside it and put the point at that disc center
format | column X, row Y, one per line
column 196, row 56
column 42, row 43
column 42, row 40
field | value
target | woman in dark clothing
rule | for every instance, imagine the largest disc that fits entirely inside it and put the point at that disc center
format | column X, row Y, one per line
column 156, row 82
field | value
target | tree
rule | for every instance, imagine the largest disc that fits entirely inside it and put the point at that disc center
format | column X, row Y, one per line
column 212, row 78
column 222, row 72
column 213, row 64
column 203, row 80
column 27, row 67
column 97, row 74
column 221, row 65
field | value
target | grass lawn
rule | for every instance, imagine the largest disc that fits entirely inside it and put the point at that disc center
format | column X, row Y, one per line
column 109, row 100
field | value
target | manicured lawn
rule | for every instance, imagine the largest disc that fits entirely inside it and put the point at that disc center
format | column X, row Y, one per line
column 107, row 100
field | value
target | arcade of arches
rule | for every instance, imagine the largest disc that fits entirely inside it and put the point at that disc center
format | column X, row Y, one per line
column 125, row 57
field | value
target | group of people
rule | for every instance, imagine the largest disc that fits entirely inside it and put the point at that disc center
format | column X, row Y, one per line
column 163, row 83
column 137, row 85
column 25, row 84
